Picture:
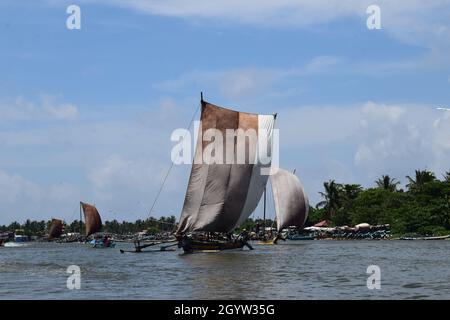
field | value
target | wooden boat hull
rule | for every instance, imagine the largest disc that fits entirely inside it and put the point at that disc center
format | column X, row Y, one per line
column 192, row 246
column 266, row 242
column 149, row 251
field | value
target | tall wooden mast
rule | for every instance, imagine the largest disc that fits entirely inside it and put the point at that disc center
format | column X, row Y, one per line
column 81, row 222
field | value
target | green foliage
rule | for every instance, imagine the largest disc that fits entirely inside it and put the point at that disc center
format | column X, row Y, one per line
column 424, row 209
column 315, row 215
column 421, row 178
column 387, row 183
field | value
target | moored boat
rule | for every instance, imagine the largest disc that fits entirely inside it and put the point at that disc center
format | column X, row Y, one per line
column 102, row 243
column 300, row 237
column 426, row 238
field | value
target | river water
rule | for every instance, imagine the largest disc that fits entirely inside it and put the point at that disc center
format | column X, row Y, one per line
column 293, row 270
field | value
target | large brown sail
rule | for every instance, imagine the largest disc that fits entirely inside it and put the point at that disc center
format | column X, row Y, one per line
column 92, row 219
column 291, row 202
column 220, row 196
column 56, row 229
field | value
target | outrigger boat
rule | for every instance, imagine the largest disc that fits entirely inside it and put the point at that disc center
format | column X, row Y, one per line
column 222, row 194
column 93, row 224
column 138, row 247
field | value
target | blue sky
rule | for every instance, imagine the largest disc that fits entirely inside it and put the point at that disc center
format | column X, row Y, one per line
column 87, row 114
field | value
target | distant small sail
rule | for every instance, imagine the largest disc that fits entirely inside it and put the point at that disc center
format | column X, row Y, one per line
column 56, row 229
column 92, row 219
column 221, row 196
column 291, row 202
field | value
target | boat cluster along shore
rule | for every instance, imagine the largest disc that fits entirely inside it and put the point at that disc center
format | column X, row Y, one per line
column 219, row 200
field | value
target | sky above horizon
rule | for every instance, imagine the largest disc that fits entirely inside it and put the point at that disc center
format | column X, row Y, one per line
column 87, row 114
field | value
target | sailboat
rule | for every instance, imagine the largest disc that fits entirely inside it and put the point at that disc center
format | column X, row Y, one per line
column 93, row 221
column 93, row 224
column 291, row 201
column 221, row 196
column 56, row 229
column 291, row 204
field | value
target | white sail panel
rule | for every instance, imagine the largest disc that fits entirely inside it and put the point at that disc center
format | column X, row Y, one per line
column 291, row 202
column 258, row 180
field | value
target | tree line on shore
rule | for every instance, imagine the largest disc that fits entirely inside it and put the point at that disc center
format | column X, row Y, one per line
column 423, row 207
column 40, row 228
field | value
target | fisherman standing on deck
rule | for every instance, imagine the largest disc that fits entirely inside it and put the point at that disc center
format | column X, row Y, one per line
column 244, row 235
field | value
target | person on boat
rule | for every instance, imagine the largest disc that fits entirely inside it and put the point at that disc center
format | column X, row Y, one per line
column 106, row 241
column 244, row 235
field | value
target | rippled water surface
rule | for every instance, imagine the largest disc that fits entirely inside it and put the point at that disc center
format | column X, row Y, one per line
column 293, row 270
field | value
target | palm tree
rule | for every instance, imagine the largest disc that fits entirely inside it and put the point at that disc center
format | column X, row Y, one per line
column 387, row 183
column 332, row 196
column 421, row 177
column 351, row 191
column 447, row 176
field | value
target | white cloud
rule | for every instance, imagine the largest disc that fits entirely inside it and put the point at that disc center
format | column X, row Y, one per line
column 14, row 188
column 230, row 83
column 58, row 111
column 252, row 82
column 115, row 173
column 362, row 142
column 248, row 82
column 47, row 108
column 23, row 199
column 418, row 22
column 116, row 164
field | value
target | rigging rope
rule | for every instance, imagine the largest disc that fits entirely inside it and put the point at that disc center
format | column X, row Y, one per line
column 170, row 167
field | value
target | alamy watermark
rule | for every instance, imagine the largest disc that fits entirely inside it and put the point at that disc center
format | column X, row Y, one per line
column 74, row 280
column 374, row 280
column 73, row 21
column 374, row 20
column 229, row 146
